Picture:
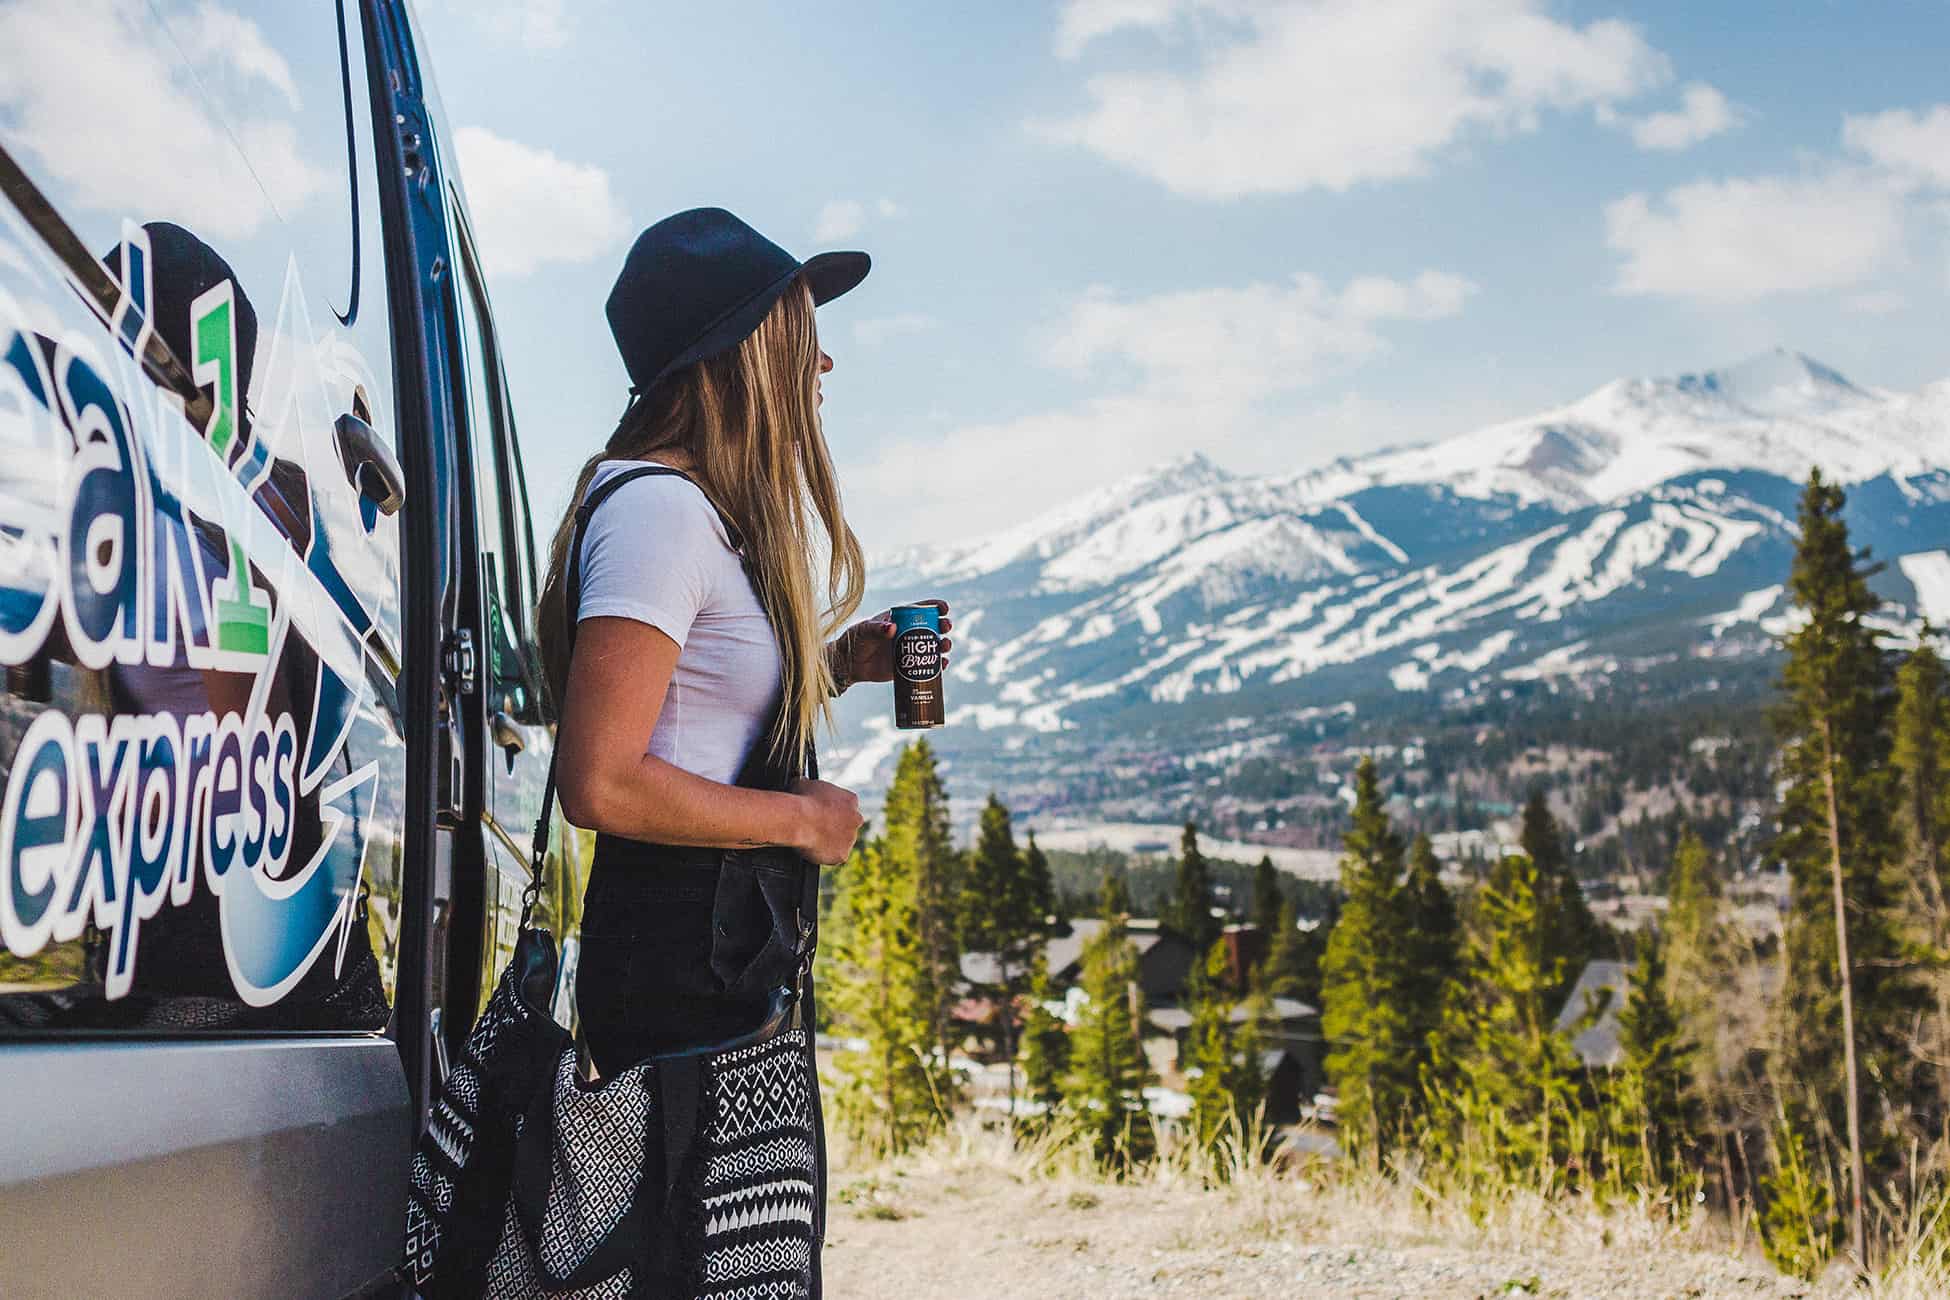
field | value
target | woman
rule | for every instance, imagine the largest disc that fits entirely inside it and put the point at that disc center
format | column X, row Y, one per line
column 699, row 668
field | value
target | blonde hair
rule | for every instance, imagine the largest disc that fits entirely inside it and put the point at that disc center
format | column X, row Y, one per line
column 748, row 423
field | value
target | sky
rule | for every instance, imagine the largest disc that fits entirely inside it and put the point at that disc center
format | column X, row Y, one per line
column 1109, row 232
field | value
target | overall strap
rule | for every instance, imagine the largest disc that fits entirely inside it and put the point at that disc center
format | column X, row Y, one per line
column 572, row 603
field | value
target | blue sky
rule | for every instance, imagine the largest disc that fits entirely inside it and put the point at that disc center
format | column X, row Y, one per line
column 1109, row 231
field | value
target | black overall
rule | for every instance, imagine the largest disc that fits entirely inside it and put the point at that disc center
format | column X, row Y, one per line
column 688, row 948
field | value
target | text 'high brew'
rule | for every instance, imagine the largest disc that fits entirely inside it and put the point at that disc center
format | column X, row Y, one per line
column 917, row 666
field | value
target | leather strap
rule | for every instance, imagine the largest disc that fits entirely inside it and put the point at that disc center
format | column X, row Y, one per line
column 572, row 605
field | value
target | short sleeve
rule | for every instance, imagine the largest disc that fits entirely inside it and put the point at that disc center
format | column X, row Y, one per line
column 649, row 554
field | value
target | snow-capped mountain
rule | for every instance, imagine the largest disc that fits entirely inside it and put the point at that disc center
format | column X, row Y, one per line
column 1650, row 520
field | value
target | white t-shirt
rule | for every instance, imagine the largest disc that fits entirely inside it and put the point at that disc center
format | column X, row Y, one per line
column 656, row 551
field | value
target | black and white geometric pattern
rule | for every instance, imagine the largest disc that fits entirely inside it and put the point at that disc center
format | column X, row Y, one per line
column 759, row 1167
column 512, row 1275
column 596, row 1163
column 439, row 1161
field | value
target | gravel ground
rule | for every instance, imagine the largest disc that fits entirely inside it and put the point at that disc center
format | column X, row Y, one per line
column 991, row 1235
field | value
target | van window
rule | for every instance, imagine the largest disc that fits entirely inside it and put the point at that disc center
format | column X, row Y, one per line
column 202, row 764
column 501, row 511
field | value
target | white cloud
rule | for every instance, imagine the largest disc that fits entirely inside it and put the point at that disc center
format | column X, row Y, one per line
column 845, row 218
column 92, row 98
column 839, row 219
column 1289, row 95
column 1736, row 240
column 1083, row 21
column 531, row 207
column 874, row 332
column 1249, row 342
column 536, row 24
column 1703, row 113
column 1876, row 302
column 1913, row 146
column 1212, row 369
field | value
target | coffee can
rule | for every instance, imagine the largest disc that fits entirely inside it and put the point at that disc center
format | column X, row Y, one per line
column 917, row 667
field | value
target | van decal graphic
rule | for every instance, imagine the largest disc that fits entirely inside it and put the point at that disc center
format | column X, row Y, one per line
column 156, row 548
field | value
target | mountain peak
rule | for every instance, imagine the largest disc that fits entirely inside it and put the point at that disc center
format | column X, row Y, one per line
column 1774, row 381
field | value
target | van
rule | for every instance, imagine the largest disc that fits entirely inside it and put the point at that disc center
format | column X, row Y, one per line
column 273, row 733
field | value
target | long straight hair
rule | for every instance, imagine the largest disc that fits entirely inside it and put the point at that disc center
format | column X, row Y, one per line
column 748, row 422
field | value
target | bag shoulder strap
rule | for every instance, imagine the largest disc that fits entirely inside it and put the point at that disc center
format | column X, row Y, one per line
column 571, row 605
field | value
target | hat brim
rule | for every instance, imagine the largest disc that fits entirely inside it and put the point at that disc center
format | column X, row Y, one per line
column 828, row 275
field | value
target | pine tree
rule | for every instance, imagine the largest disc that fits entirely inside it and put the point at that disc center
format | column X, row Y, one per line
column 1364, row 980
column 917, row 840
column 1114, row 898
column 1108, row 1070
column 1221, row 1059
column 1843, row 991
column 1292, row 968
column 874, row 987
column 1653, row 1077
column 1045, row 1044
column 1573, row 934
column 1432, row 954
column 1502, row 1071
column 1002, row 915
column 1267, row 901
column 1189, row 910
column 1042, row 889
column 1922, row 759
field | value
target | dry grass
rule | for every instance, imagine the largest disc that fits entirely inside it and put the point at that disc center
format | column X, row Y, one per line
column 1189, row 1205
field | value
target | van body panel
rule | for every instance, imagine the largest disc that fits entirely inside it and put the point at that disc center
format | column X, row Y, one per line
column 110, row 1189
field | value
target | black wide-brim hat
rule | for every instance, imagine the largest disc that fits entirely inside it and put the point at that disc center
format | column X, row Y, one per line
column 698, row 283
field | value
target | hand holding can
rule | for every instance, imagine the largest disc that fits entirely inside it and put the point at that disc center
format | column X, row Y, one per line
column 918, row 698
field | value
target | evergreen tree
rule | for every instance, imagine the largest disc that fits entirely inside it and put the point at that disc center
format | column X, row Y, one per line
column 1045, row 1044
column 1221, row 1057
column 1843, row 996
column 1189, row 910
column 1922, row 759
column 875, row 989
column 1798, row 1227
column 1042, row 888
column 1114, row 899
column 1502, row 1073
column 1267, row 901
column 917, row 840
column 1108, row 1070
column 1365, row 980
column 1572, row 933
column 1292, row 968
column 1002, row 916
column 1653, row 1078
column 1431, row 950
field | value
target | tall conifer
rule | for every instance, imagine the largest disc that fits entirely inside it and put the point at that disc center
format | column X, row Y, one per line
column 917, row 840
column 1502, row 1070
column 1189, row 910
column 875, row 988
column 1002, row 915
column 1364, row 979
column 1432, row 952
column 1653, row 1078
column 1108, row 1070
column 1267, row 899
column 1572, row 933
column 1843, row 994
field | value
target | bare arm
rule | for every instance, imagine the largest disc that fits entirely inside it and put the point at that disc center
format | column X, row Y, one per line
column 618, row 677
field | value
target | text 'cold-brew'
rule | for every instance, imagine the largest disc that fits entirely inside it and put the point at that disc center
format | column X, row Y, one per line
column 917, row 666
